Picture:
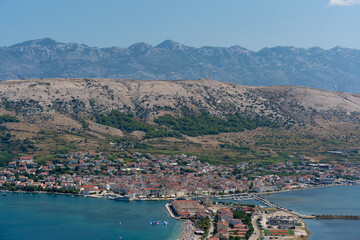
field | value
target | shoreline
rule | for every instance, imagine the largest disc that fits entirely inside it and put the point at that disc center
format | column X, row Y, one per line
column 187, row 225
column 309, row 188
column 170, row 198
column 43, row 192
column 82, row 195
column 185, row 228
column 306, row 228
column 188, row 232
column 171, row 212
column 303, row 226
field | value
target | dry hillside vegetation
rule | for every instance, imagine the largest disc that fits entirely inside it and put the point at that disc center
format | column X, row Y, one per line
column 59, row 115
column 147, row 99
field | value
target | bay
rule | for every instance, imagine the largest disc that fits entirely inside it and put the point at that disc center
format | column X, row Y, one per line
column 337, row 200
column 45, row 216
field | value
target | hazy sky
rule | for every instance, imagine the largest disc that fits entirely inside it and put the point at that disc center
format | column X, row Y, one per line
column 253, row 24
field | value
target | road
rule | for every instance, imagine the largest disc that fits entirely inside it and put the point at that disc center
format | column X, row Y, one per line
column 211, row 229
column 256, row 234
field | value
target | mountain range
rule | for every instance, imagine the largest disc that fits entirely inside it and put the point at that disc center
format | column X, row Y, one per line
column 335, row 69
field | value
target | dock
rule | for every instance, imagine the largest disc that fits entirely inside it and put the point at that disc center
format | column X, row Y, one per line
column 236, row 197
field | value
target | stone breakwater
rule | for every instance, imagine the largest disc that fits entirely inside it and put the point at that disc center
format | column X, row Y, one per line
column 346, row 217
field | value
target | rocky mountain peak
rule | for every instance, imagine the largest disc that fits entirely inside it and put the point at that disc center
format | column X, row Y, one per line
column 140, row 47
column 171, row 45
column 43, row 42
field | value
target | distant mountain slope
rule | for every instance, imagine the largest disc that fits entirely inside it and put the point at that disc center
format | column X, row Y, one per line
column 149, row 99
column 334, row 69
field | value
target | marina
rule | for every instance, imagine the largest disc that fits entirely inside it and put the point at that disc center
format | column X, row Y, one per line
column 236, row 197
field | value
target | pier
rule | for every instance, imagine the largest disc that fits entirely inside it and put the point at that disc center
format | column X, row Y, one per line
column 274, row 205
column 172, row 214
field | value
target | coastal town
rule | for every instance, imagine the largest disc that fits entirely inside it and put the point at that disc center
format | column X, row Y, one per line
column 142, row 175
column 193, row 188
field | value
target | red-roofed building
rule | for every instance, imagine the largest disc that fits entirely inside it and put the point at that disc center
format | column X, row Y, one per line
column 188, row 208
column 12, row 164
column 88, row 189
column 27, row 159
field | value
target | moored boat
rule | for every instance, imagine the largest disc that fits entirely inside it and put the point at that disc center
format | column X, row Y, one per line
column 158, row 222
column 122, row 198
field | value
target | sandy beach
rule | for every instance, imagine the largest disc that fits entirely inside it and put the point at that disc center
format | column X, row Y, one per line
column 188, row 233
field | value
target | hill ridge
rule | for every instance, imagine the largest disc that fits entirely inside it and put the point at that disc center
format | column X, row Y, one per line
column 148, row 99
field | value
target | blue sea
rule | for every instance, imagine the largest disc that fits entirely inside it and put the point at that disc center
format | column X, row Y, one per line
column 45, row 216
column 338, row 200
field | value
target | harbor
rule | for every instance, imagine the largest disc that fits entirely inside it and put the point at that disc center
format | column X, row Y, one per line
column 80, row 218
column 236, row 197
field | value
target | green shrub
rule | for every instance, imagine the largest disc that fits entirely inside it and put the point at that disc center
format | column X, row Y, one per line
column 205, row 124
column 122, row 121
column 8, row 118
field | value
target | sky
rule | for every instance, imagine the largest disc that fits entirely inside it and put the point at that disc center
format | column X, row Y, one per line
column 253, row 24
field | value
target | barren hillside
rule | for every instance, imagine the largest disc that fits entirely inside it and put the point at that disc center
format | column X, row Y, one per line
column 60, row 115
column 44, row 98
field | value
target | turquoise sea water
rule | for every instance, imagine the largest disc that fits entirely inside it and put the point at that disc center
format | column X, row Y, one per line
column 339, row 200
column 44, row 216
